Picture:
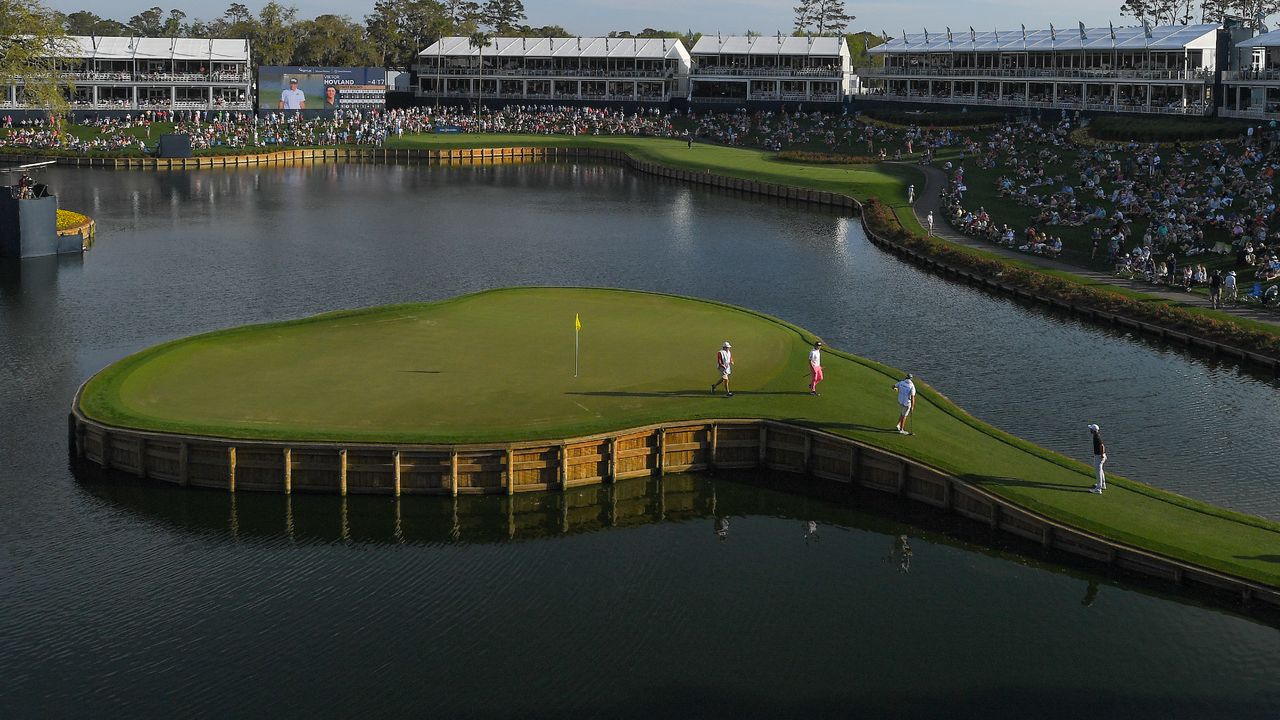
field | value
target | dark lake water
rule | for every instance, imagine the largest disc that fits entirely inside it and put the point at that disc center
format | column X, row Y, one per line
column 143, row 600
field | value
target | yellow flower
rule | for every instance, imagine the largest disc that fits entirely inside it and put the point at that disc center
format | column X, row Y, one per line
column 68, row 219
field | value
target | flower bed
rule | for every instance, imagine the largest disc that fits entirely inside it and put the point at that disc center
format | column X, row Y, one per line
column 68, row 220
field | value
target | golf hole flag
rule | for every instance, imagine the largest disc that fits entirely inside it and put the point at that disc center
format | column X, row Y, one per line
column 577, row 328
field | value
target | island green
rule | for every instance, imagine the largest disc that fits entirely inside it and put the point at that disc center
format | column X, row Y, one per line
column 499, row 366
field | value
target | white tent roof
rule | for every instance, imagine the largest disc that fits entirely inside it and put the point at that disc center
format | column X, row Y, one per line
column 1169, row 37
column 136, row 48
column 770, row 45
column 1268, row 39
column 586, row 47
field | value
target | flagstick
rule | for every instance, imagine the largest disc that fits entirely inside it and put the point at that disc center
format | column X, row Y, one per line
column 575, row 352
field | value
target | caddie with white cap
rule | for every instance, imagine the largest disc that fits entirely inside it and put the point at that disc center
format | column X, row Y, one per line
column 724, row 365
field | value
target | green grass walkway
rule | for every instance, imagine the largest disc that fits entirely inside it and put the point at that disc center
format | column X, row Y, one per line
column 887, row 182
column 498, row 366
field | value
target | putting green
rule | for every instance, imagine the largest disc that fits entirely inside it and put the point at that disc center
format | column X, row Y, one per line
column 499, row 366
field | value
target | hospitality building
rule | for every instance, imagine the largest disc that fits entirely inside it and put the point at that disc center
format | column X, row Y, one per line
column 1165, row 70
column 132, row 73
column 646, row 70
column 1252, row 88
column 742, row 69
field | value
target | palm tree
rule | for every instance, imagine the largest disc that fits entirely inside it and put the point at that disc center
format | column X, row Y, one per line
column 479, row 40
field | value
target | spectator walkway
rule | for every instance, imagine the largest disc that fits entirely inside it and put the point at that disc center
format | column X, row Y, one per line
column 930, row 200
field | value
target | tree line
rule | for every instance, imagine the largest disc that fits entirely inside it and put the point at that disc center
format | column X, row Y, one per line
column 1185, row 12
column 391, row 35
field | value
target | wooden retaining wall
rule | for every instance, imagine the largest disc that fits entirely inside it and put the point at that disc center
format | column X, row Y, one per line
column 812, row 456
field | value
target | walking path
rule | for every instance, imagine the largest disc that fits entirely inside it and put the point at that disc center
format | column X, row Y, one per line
column 931, row 201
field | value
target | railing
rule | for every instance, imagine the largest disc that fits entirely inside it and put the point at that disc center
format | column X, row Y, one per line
column 717, row 70
column 997, row 74
column 94, row 76
column 548, row 96
column 1250, row 113
column 1251, row 75
column 424, row 71
column 1197, row 109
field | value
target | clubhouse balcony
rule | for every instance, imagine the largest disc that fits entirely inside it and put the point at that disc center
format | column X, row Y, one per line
column 129, row 73
column 1252, row 91
column 601, row 69
column 1186, row 100
column 1163, row 70
column 736, row 69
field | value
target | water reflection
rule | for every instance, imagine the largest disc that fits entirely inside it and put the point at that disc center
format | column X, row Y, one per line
column 302, row 519
column 635, row 601
column 255, row 244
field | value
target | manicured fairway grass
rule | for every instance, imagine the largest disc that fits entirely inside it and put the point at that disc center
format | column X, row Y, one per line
column 498, row 366
column 885, row 181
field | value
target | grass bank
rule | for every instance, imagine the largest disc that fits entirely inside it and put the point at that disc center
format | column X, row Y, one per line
column 431, row 373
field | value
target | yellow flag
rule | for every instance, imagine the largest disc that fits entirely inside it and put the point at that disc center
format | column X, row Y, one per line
column 577, row 322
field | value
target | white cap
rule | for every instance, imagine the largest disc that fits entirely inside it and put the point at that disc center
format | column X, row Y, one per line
column 1094, row 428
column 726, row 344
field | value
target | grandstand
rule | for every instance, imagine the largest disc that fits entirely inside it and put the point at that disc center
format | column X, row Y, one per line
column 647, row 70
column 739, row 69
column 1165, row 70
column 131, row 73
column 1252, row 88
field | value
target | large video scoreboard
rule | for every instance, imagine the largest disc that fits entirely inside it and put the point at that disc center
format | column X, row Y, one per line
column 321, row 88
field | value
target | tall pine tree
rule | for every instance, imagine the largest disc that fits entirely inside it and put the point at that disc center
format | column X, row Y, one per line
column 806, row 13
column 832, row 17
column 504, row 16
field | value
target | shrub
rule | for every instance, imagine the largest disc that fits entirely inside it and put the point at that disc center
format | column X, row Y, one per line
column 818, row 158
column 1146, row 129
column 936, row 119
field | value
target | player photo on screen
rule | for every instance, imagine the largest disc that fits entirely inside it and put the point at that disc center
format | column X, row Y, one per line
column 321, row 88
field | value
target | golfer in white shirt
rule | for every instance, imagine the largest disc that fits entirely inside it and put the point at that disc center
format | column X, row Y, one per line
column 929, row 219
column 724, row 365
column 815, row 367
column 293, row 98
column 906, row 401
column 1099, row 459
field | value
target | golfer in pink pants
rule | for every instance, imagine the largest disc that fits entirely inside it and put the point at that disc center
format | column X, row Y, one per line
column 815, row 367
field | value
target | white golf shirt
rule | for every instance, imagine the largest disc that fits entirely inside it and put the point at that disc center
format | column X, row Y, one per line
column 815, row 357
column 906, row 391
column 293, row 99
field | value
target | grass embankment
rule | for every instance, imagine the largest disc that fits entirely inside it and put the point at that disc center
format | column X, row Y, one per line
column 887, row 183
column 861, row 181
column 498, row 366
